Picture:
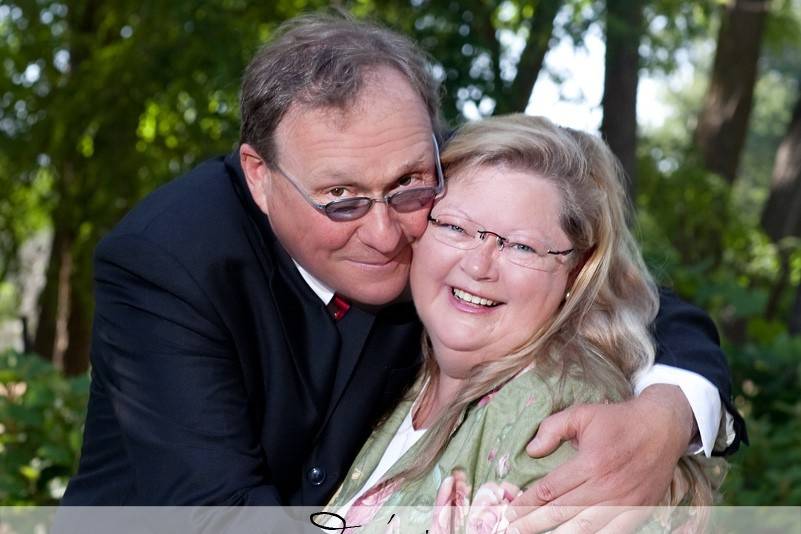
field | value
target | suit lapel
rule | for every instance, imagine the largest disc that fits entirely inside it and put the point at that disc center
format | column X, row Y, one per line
column 309, row 337
column 354, row 328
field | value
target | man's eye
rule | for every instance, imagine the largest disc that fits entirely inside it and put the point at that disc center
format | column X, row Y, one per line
column 337, row 191
column 405, row 180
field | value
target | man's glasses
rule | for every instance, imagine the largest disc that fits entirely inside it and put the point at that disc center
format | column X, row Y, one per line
column 349, row 209
column 464, row 234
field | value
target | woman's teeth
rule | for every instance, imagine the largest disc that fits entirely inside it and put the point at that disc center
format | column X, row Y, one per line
column 472, row 299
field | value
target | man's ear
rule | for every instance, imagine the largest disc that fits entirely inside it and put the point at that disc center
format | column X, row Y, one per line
column 257, row 175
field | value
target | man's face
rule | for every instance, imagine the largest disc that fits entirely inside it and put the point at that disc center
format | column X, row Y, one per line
column 378, row 147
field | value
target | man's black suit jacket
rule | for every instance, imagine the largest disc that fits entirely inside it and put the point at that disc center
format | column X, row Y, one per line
column 213, row 376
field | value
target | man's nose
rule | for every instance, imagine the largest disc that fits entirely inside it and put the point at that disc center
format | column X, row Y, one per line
column 481, row 263
column 380, row 229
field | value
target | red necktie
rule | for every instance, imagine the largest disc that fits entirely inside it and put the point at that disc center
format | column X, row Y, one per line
column 339, row 307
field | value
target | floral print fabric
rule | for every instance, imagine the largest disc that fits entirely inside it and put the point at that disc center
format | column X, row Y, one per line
column 482, row 469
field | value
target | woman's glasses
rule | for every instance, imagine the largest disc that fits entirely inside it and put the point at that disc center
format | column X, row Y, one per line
column 465, row 234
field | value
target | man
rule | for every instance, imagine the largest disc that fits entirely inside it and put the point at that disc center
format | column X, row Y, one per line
column 221, row 375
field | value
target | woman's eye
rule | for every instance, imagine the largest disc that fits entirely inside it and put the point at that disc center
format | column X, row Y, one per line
column 521, row 247
column 454, row 228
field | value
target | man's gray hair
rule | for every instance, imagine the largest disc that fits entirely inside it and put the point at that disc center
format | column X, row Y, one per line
column 320, row 61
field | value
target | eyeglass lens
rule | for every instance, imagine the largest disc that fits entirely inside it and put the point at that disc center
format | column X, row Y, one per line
column 404, row 202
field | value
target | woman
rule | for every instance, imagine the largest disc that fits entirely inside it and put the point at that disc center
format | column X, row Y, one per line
column 534, row 296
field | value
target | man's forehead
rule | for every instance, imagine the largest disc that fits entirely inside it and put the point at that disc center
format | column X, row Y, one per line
column 382, row 87
column 334, row 135
column 359, row 171
column 345, row 119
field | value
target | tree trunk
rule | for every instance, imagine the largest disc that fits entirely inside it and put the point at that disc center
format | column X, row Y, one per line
column 515, row 97
column 795, row 314
column 76, row 355
column 624, row 27
column 59, row 304
column 781, row 216
column 723, row 121
column 779, row 286
column 49, row 340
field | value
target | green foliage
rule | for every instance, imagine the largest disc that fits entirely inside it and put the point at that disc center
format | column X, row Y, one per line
column 8, row 299
column 41, row 418
column 685, row 209
column 768, row 375
column 672, row 24
column 783, row 27
column 704, row 238
column 698, row 239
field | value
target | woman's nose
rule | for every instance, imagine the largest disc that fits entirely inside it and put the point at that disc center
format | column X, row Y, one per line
column 481, row 262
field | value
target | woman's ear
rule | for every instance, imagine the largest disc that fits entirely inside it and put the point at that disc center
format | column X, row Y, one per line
column 257, row 175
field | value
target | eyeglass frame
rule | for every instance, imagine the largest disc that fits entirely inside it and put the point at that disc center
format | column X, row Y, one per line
column 479, row 237
column 439, row 189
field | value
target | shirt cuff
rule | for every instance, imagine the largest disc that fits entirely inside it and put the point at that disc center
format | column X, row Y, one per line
column 702, row 396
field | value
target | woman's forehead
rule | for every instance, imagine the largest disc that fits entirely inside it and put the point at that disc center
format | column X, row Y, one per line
column 498, row 183
column 505, row 199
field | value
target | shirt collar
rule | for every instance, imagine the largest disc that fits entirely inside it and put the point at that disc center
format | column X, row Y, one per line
column 325, row 293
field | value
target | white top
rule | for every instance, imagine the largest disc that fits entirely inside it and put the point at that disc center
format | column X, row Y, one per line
column 701, row 394
column 404, row 439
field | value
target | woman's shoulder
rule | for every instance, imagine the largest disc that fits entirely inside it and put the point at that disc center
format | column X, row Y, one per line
column 490, row 444
column 548, row 391
column 580, row 388
column 502, row 422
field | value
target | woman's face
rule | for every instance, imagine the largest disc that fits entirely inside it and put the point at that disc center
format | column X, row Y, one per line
column 448, row 283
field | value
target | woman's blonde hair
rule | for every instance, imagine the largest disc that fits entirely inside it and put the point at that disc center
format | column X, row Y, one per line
column 600, row 334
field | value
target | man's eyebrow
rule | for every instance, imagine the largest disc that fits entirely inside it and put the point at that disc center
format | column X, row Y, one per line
column 336, row 176
column 335, row 179
column 348, row 178
column 414, row 164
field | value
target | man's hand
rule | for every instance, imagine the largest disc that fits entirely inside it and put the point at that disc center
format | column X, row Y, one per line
column 626, row 456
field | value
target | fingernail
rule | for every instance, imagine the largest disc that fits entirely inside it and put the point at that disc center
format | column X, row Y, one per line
column 513, row 530
column 510, row 515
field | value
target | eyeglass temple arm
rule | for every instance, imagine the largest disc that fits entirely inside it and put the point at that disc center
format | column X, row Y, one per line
column 438, row 163
column 312, row 202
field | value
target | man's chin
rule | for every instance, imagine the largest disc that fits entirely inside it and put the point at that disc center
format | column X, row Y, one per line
column 377, row 299
column 372, row 294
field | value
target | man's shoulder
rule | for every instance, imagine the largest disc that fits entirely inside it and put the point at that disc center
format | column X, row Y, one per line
column 198, row 197
column 205, row 210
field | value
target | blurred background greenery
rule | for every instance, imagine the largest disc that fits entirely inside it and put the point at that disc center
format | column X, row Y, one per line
column 100, row 102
